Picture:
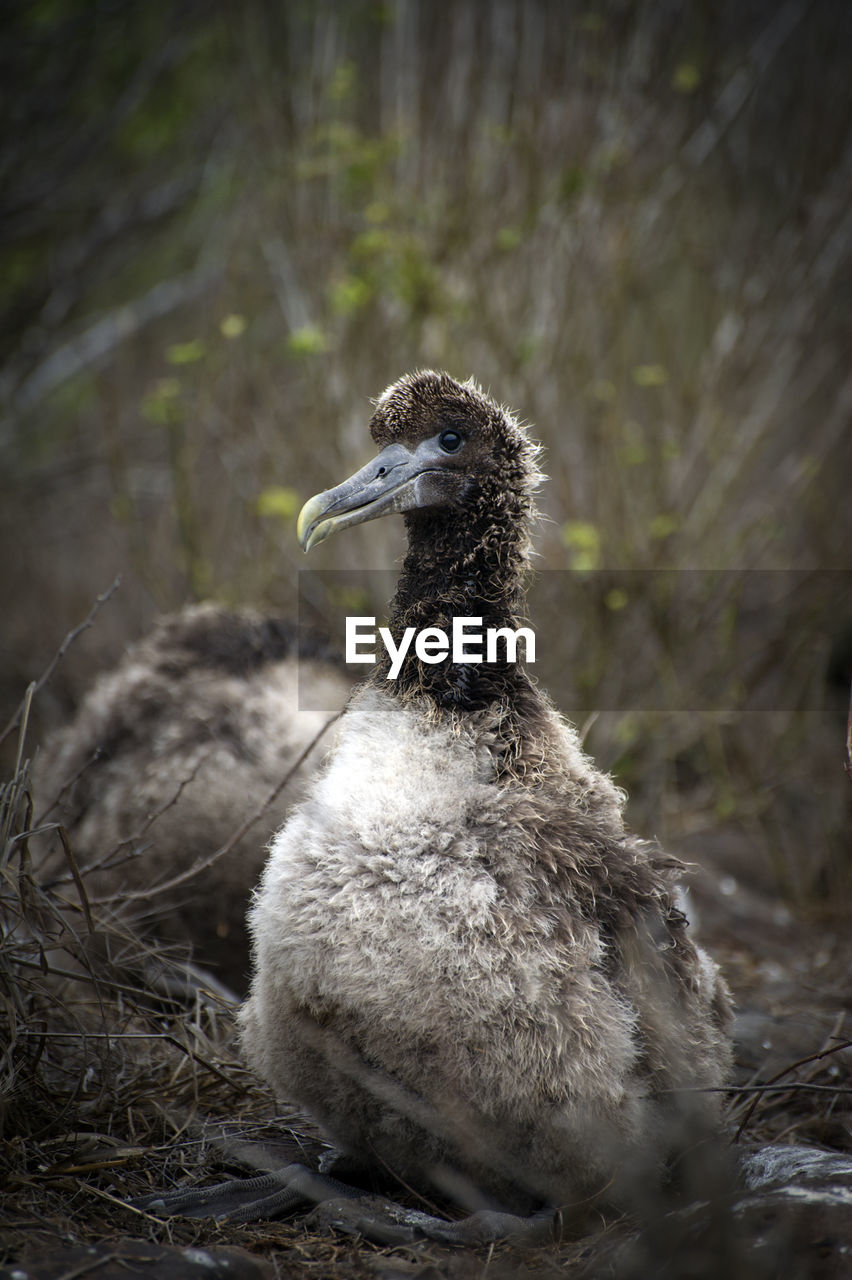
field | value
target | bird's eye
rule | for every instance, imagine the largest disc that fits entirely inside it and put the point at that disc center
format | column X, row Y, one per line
column 450, row 441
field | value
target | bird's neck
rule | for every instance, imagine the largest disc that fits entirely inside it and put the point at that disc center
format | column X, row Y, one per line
column 460, row 565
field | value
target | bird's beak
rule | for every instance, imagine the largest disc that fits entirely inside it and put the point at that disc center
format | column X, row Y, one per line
column 396, row 480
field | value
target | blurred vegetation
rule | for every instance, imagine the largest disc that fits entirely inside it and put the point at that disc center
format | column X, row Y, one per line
column 226, row 227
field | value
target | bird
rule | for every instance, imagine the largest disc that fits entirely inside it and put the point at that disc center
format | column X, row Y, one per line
column 170, row 755
column 466, row 969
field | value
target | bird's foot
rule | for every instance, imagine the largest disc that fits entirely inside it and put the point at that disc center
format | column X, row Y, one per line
column 248, row 1199
column 343, row 1208
column 385, row 1222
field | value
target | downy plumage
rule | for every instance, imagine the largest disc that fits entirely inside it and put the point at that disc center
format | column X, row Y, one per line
column 466, row 969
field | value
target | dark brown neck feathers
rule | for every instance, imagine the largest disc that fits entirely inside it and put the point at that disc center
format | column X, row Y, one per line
column 470, row 563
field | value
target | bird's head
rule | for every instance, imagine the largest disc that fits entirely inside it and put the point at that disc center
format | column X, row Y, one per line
column 443, row 444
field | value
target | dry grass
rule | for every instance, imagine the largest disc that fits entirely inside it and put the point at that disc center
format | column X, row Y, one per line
column 120, row 1072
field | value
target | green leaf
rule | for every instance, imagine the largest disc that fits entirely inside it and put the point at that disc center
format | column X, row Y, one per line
column 161, row 404
column 279, row 502
column 349, row 294
column 508, row 238
column 650, row 375
column 634, row 451
column 377, row 211
column 186, row 352
column 664, row 525
column 233, row 326
column 307, row 341
column 616, row 599
column 583, row 542
column 349, row 599
column 370, row 243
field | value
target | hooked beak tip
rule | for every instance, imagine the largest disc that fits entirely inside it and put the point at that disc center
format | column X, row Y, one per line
column 308, row 531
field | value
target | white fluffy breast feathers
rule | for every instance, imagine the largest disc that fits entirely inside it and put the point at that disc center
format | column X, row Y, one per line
column 398, row 784
column 390, row 854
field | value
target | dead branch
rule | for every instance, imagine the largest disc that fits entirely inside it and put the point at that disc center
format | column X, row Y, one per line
column 116, row 327
column 60, row 654
column 769, row 1084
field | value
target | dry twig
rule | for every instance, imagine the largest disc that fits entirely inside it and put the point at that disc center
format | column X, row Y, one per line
column 60, row 654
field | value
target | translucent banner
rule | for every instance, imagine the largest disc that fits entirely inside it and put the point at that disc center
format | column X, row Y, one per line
column 650, row 640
